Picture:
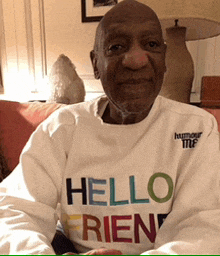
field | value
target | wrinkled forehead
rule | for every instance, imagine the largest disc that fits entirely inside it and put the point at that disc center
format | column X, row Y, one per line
column 150, row 28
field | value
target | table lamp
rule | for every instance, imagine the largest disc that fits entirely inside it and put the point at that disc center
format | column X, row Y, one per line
column 183, row 20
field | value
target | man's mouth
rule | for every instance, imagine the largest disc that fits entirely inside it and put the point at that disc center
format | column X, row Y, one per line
column 136, row 81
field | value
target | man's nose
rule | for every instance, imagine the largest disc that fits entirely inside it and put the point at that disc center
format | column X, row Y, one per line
column 136, row 58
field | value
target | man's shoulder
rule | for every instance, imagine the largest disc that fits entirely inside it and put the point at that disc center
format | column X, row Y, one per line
column 69, row 114
column 78, row 109
column 181, row 108
column 183, row 114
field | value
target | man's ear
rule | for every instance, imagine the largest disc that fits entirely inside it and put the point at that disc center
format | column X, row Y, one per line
column 93, row 58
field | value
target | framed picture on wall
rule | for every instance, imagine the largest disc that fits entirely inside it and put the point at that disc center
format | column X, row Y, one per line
column 94, row 10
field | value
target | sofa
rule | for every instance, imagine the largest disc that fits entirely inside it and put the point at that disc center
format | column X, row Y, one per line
column 17, row 122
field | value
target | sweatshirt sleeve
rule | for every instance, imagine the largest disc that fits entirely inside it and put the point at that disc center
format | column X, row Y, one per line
column 193, row 225
column 30, row 194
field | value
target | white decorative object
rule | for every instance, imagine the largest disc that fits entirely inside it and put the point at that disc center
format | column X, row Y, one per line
column 65, row 84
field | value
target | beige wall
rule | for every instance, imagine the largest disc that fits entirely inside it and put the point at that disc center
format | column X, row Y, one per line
column 35, row 32
column 66, row 34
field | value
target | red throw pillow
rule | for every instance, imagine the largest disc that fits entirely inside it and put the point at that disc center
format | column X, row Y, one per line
column 17, row 122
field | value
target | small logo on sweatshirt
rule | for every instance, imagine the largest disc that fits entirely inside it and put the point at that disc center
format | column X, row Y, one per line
column 189, row 140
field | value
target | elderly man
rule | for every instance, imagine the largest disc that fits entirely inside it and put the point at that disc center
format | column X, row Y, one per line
column 133, row 172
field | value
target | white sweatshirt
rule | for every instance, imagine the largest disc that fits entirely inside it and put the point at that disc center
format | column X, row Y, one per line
column 116, row 184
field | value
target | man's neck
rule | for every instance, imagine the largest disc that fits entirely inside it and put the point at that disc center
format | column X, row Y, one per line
column 112, row 115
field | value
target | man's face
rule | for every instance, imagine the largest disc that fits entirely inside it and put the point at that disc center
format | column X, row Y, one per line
column 130, row 61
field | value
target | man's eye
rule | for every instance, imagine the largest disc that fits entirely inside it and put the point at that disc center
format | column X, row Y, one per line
column 152, row 46
column 115, row 48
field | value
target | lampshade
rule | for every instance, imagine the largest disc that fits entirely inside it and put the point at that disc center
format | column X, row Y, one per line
column 200, row 17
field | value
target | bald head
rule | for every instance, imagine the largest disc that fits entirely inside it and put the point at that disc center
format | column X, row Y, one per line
column 124, row 12
column 130, row 9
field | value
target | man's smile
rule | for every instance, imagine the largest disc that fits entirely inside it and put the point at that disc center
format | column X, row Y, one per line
column 135, row 81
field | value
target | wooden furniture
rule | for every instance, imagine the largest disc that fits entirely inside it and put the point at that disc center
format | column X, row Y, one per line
column 210, row 92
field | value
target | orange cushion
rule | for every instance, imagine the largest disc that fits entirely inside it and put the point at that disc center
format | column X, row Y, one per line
column 17, row 122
